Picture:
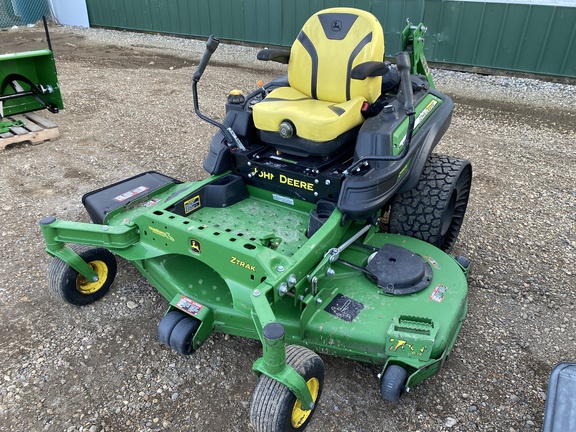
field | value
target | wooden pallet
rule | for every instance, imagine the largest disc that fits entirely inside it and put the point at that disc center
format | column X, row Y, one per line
column 36, row 130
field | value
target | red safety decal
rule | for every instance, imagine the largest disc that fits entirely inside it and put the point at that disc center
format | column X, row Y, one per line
column 438, row 293
column 189, row 305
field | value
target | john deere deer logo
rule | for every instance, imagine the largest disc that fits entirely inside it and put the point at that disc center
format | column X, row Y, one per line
column 336, row 26
column 195, row 246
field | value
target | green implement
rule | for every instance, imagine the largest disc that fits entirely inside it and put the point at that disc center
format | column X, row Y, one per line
column 29, row 82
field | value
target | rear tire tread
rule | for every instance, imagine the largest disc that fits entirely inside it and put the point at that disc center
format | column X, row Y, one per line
column 419, row 212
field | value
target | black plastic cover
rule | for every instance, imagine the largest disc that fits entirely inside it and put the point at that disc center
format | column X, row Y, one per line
column 218, row 159
column 398, row 271
column 100, row 202
column 361, row 196
column 299, row 146
column 319, row 216
column 222, row 192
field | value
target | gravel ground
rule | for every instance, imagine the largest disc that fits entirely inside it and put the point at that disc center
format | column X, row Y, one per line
column 128, row 110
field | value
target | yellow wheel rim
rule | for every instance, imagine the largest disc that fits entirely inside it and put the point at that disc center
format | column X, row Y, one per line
column 299, row 415
column 87, row 287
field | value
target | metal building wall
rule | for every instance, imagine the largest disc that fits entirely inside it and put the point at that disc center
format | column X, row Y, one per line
column 520, row 36
column 525, row 37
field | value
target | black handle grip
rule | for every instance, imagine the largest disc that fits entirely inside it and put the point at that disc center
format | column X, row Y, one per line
column 403, row 63
column 211, row 46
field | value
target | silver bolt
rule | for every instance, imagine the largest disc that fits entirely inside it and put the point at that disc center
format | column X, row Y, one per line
column 105, row 228
column 292, row 280
column 95, row 279
column 249, row 163
column 315, row 193
column 330, row 271
column 256, row 293
column 327, row 182
column 318, row 300
column 249, row 175
column 311, row 406
column 300, row 297
column 316, row 181
column 282, row 289
column 280, row 269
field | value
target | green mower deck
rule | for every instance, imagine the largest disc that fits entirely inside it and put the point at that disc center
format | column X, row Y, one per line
column 242, row 277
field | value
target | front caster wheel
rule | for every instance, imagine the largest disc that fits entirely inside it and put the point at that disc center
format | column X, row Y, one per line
column 67, row 284
column 182, row 335
column 274, row 408
column 167, row 324
column 393, row 383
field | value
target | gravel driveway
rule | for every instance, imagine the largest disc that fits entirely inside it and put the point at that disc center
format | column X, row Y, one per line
column 129, row 110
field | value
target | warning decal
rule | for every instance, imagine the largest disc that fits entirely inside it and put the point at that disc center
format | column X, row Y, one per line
column 192, row 204
column 344, row 308
column 438, row 293
column 131, row 193
column 189, row 305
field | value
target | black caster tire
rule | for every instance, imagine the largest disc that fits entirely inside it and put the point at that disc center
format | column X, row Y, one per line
column 167, row 324
column 67, row 284
column 465, row 263
column 274, row 408
column 182, row 335
column 434, row 209
column 393, row 383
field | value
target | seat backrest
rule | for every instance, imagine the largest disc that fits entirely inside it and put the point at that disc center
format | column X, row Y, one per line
column 329, row 45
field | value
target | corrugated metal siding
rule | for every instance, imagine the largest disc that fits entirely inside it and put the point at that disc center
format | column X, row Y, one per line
column 520, row 37
column 527, row 37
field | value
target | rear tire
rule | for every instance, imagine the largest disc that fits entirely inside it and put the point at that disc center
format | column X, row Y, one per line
column 434, row 209
column 274, row 408
column 70, row 286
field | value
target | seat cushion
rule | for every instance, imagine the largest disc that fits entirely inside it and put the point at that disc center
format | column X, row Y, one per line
column 331, row 43
column 313, row 119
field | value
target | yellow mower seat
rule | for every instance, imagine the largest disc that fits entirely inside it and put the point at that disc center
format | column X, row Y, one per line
column 322, row 101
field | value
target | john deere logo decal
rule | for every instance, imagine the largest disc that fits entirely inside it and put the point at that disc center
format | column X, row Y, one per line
column 195, row 246
column 336, row 26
